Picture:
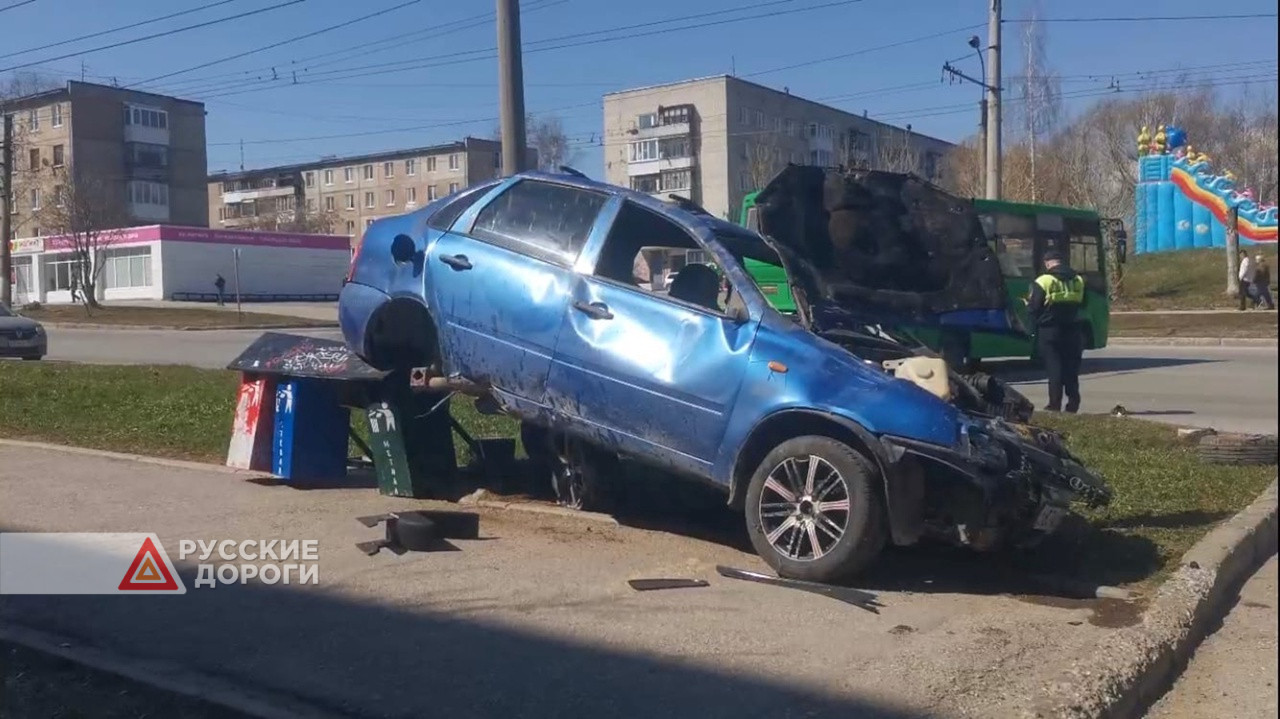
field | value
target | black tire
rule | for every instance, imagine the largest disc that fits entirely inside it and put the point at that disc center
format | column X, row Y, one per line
column 413, row 532
column 585, row 478
column 1238, row 449
column 864, row 524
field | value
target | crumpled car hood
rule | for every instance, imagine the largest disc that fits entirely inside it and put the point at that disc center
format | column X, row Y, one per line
column 886, row 247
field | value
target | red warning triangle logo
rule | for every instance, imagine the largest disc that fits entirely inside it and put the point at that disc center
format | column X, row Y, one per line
column 148, row 571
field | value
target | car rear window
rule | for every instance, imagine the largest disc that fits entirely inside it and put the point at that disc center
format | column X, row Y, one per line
column 444, row 218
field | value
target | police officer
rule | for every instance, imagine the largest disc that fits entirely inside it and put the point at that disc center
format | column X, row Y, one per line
column 1054, row 308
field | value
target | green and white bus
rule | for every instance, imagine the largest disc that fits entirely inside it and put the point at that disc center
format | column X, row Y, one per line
column 1020, row 234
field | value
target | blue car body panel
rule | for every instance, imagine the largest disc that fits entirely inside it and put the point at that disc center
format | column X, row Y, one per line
column 678, row 385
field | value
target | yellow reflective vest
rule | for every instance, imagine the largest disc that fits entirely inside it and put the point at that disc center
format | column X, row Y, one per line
column 1057, row 291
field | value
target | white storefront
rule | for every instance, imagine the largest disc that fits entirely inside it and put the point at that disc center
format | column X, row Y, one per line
column 163, row 262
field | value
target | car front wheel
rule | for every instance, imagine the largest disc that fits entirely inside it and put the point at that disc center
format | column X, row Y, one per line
column 813, row 512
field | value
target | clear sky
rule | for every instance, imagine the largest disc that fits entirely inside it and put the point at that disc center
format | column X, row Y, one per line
column 363, row 89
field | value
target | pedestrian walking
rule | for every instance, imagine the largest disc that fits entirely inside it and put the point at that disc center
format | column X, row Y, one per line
column 1262, row 283
column 1247, row 270
column 221, row 284
column 1054, row 308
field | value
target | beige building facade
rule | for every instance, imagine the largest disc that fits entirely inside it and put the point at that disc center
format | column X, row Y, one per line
column 716, row 139
column 141, row 150
column 344, row 195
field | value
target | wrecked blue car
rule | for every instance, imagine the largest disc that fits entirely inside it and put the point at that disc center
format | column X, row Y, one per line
column 832, row 436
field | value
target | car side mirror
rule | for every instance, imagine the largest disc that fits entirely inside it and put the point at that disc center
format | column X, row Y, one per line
column 1122, row 249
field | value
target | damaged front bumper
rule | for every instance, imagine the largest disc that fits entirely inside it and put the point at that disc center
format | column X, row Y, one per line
column 1001, row 482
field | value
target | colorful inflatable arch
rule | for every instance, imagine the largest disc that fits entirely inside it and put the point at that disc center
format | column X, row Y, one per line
column 1181, row 203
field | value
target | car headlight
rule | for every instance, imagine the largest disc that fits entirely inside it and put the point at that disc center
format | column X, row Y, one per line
column 39, row 330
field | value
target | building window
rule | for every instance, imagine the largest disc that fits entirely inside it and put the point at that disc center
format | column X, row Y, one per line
column 55, row 114
column 368, row 172
column 309, row 179
column 368, row 198
column 647, row 121
column 59, row 195
column 413, row 195
column 792, row 127
column 146, row 117
column 453, row 187
column 673, row 147
column 744, row 182
column 328, row 177
column 126, row 267
column 388, row 169
column 35, row 158
column 35, row 198
column 391, row 198
column 351, row 202
column 644, row 150
column 431, row 192
column 351, row 227
column 645, row 183
column 348, row 174
column 744, row 116
column 328, row 202
column 145, row 154
column 311, row 204
column 676, row 180
column 33, row 120
column 149, row 193
column 431, row 164
column 453, row 161
column 760, row 119
column 411, row 167
column 222, row 214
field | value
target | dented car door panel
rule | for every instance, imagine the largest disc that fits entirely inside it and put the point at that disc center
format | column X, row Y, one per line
column 502, row 297
column 654, row 370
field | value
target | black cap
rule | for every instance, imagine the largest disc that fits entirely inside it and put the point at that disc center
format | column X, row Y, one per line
column 1053, row 256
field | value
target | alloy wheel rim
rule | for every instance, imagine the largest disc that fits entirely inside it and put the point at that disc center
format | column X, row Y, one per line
column 804, row 508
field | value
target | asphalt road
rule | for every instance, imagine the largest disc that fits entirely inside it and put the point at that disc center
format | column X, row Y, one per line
column 1229, row 388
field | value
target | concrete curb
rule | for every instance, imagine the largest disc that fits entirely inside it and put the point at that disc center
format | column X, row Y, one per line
column 145, row 459
column 169, row 677
column 1135, row 665
column 540, row 509
column 92, row 326
column 1194, row 341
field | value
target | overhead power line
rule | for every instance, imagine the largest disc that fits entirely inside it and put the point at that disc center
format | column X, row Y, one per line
column 120, row 28
column 16, row 5
column 296, row 38
column 153, row 36
column 490, row 53
column 1149, row 18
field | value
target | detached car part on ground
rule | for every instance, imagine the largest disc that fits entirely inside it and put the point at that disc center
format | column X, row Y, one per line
column 830, row 435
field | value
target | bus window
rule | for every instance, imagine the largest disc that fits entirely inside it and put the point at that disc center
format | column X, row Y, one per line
column 1017, row 256
column 1085, row 255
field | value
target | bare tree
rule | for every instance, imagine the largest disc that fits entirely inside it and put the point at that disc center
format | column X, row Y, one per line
column 1039, row 95
column 894, row 151
column 546, row 136
column 293, row 217
column 763, row 159
column 84, row 211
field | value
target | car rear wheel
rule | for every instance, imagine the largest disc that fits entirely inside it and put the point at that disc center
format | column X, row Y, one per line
column 813, row 512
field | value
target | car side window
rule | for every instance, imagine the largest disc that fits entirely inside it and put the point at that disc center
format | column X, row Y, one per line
column 545, row 220
column 444, row 218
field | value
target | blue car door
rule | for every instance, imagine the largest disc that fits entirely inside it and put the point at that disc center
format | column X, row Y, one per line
column 500, row 281
column 658, row 373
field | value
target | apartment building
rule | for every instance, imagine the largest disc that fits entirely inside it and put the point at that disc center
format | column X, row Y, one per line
column 345, row 195
column 144, row 151
column 715, row 139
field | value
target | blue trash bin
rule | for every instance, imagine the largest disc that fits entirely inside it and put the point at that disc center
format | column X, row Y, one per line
column 309, row 442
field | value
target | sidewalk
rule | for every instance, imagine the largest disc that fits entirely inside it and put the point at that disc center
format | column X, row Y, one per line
column 535, row 619
column 308, row 310
column 1233, row 673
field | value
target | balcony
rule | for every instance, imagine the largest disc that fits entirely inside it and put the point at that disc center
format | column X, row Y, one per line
column 674, row 129
column 653, row 167
column 231, row 198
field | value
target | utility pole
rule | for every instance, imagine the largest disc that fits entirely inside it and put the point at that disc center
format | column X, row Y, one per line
column 956, row 74
column 511, row 87
column 993, row 101
column 6, row 213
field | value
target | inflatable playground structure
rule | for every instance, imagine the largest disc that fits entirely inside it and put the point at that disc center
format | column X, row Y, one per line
column 1183, row 203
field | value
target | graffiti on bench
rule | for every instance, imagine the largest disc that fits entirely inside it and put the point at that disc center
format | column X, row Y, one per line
column 297, row 356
